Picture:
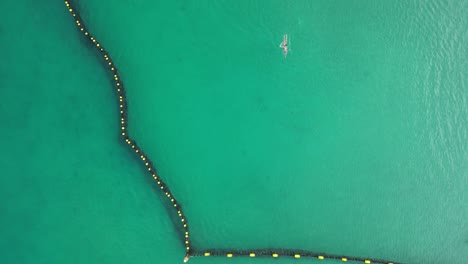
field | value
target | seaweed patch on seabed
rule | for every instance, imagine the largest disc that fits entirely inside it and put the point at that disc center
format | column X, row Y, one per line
column 182, row 224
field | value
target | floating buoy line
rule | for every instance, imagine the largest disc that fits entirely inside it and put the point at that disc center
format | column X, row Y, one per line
column 177, row 208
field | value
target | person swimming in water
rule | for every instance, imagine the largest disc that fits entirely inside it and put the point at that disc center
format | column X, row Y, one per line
column 284, row 45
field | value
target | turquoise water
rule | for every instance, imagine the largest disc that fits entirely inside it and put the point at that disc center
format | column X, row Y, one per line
column 355, row 144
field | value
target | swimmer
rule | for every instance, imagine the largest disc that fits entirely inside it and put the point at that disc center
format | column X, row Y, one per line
column 186, row 258
column 284, row 45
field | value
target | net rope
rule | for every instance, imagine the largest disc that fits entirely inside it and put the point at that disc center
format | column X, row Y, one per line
column 177, row 208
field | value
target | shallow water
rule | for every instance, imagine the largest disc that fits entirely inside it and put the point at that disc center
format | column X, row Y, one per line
column 356, row 143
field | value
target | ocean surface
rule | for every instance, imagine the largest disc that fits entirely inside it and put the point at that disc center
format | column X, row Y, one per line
column 355, row 144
